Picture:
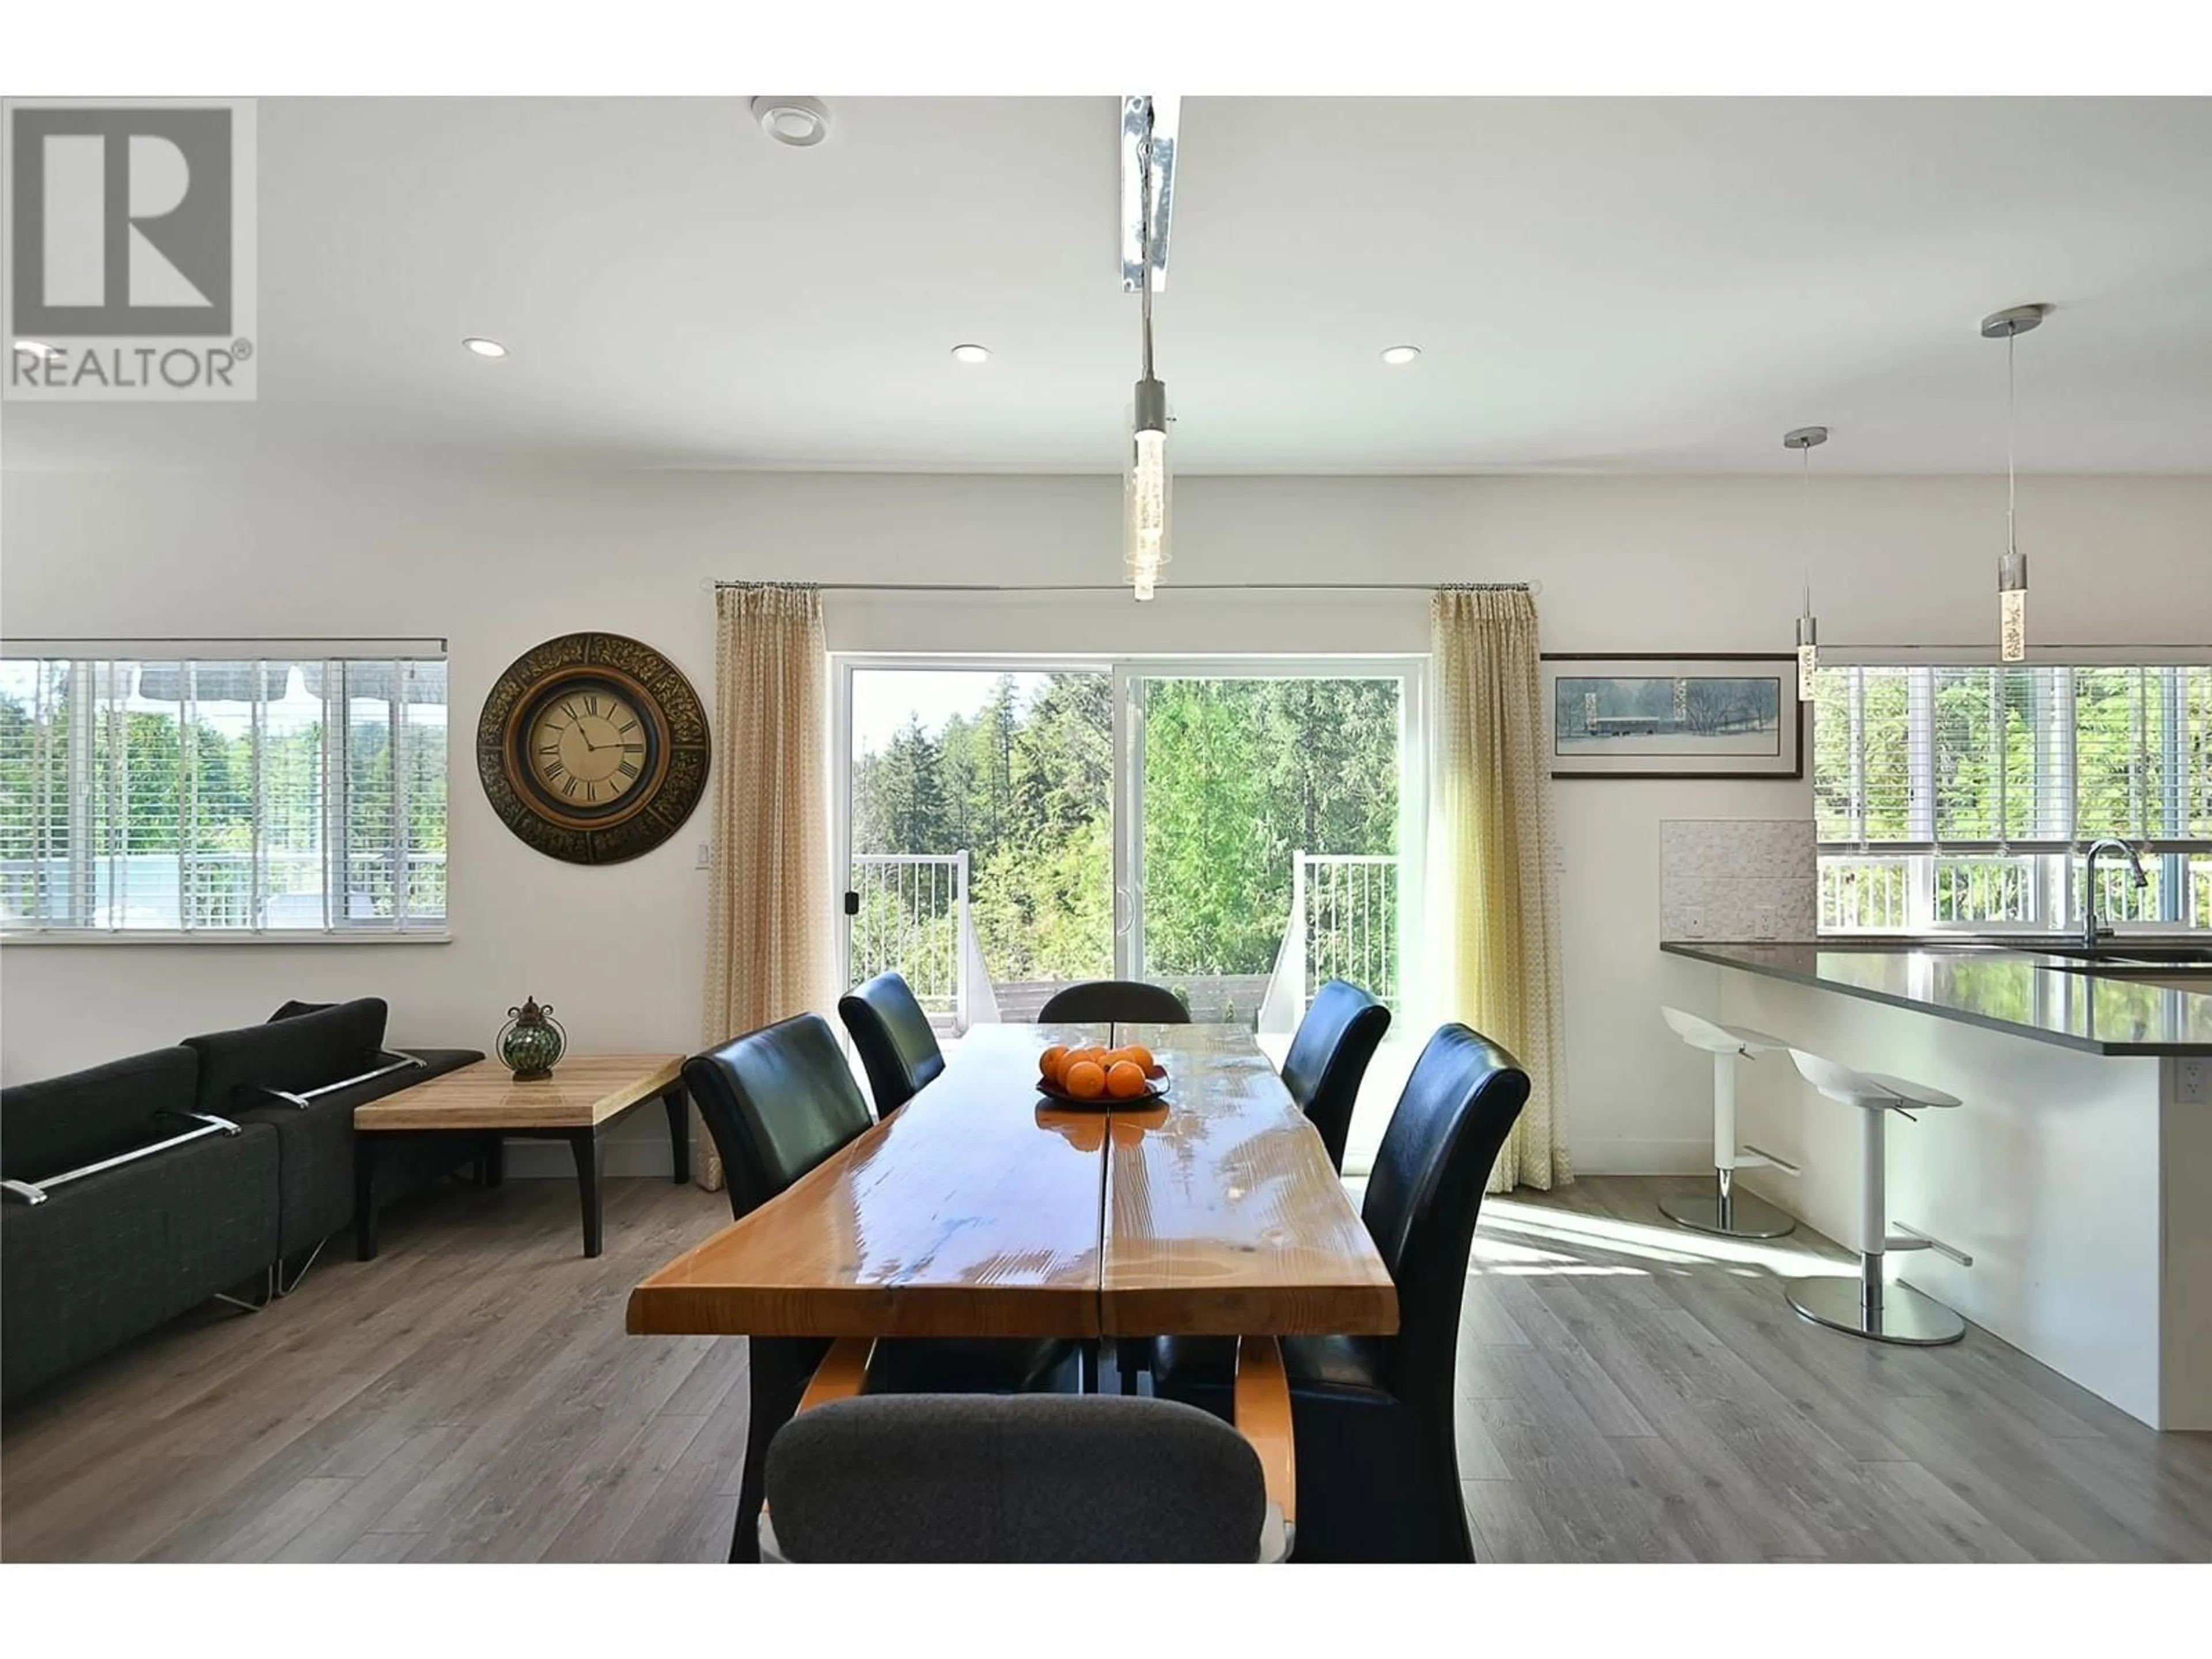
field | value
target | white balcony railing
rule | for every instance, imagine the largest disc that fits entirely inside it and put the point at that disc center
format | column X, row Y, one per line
column 911, row 916
column 1343, row 924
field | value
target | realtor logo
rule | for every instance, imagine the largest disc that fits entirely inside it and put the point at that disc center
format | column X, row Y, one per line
column 129, row 258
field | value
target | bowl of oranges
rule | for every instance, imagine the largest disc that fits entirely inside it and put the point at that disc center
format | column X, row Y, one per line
column 1101, row 1076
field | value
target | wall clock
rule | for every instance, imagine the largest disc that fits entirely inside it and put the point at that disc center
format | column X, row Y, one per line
column 593, row 748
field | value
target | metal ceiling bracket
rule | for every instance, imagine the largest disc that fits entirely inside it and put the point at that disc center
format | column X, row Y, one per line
column 1158, row 115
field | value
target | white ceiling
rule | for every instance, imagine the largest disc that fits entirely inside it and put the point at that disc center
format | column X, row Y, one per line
column 1600, row 286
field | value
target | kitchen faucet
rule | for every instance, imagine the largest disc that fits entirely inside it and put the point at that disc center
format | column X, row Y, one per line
column 2090, row 932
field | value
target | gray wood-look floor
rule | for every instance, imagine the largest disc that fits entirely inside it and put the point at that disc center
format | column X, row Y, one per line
column 1630, row 1392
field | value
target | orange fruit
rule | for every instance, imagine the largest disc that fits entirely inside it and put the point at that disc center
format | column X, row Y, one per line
column 1085, row 1079
column 1125, row 1081
column 1050, row 1062
column 1138, row 1053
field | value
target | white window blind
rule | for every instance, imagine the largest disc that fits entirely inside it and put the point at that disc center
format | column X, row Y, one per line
column 1964, row 795
column 222, row 795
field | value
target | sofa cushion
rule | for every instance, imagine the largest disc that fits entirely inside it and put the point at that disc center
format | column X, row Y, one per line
column 318, row 1150
column 116, row 1254
column 66, row 1123
column 304, row 1052
column 293, row 1010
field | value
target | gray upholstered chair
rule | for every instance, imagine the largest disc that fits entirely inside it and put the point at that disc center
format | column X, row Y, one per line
column 1081, row 1478
column 1114, row 1001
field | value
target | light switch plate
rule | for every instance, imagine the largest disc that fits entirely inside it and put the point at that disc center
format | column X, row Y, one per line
column 706, row 859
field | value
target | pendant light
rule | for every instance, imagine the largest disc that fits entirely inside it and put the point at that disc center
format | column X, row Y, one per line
column 2012, row 563
column 1145, row 546
column 1808, row 627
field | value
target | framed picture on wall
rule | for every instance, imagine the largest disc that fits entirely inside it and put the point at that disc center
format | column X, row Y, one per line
column 1645, row 715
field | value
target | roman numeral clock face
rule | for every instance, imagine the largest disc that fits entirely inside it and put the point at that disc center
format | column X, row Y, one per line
column 587, row 747
column 593, row 748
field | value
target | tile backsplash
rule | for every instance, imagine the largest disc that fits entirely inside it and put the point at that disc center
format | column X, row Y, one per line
column 1737, row 878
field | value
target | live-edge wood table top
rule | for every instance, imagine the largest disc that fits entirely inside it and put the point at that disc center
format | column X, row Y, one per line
column 584, row 1091
column 980, row 1210
column 1223, row 1214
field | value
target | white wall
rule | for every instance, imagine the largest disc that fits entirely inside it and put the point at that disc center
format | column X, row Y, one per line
column 499, row 562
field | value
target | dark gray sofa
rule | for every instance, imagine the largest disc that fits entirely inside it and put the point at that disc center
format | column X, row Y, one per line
column 223, row 1184
column 100, row 1259
column 303, row 1049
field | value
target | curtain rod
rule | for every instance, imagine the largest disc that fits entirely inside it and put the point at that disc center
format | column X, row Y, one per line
column 1123, row 587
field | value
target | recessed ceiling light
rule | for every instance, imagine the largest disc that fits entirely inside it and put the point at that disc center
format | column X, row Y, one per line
column 799, row 122
column 1397, row 356
column 36, row 348
column 971, row 354
column 484, row 347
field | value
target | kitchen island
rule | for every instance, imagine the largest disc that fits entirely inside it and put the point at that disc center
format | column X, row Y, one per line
column 2079, row 1172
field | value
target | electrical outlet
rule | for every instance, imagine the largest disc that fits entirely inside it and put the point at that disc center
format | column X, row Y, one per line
column 2192, row 1081
column 706, row 859
column 1766, row 922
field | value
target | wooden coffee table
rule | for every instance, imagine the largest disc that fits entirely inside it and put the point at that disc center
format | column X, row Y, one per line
column 586, row 1096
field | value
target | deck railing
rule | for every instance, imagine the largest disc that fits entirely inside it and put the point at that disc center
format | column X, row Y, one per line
column 909, row 914
column 1343, row 924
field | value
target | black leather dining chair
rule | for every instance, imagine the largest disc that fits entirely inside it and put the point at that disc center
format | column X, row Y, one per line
column 898, row 1047
column 1118, row 1002
column 778, row 1103
column 1328, row 1059
column 1378, row 1462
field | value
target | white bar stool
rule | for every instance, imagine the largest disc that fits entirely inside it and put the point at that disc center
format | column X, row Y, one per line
column 1868, row 1306
column 1726, row 1211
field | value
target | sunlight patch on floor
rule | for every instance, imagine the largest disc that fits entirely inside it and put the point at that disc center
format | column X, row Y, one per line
column 1501, row 1256
column 1580, row 1235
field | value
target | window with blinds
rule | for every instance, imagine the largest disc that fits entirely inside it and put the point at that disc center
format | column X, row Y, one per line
column 1965, row 797
column 222, row 796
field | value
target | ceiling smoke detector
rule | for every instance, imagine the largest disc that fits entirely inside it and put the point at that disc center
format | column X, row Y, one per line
column 799, row 122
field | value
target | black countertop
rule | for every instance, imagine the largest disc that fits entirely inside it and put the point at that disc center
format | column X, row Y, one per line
column 2048, row 999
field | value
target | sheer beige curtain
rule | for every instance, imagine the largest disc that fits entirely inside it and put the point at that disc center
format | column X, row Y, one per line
column 769, row 917
column 1490, row 847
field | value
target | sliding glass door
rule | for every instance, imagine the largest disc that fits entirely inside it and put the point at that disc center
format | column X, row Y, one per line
column 978, row 832
column 1239, row 829
column 1269, row 813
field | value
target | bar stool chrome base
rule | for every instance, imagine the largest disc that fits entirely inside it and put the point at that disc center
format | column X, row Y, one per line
column 1728, row 1213
column 1881, row 1313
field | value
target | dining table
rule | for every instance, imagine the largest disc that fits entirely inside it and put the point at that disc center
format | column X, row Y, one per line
column 985, row 1208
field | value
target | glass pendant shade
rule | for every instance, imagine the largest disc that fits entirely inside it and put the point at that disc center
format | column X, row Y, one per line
column 2012, row 607
column 1808, row 655
column 1146, row 540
